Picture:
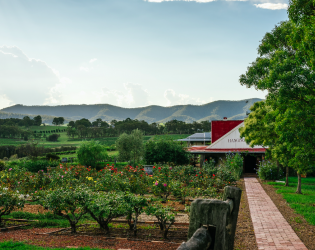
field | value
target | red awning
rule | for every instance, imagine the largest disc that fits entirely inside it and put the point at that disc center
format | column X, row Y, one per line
column 204, row 149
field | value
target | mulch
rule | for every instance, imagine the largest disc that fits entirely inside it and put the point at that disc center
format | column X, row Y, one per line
column 302, row 228
column 244, row 238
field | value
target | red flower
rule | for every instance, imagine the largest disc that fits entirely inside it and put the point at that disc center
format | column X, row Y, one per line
column 89, row 169
column 159, row 167
column 196, row 175
column 199, row 172
column 153, row 166
column 213, row 174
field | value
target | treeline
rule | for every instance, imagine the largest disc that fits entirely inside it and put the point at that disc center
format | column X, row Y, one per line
column 15, row 132
column 26, row 121
column 84, row 128
column 30, row 150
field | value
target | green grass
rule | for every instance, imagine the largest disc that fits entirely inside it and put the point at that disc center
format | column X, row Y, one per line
column 303, row 204
column 10, row 245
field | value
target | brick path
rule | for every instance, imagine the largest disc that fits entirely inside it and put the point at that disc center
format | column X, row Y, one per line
column 272, row 231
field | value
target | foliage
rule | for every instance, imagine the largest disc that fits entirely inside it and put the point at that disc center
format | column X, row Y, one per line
column 90, row 152
column 58, row 121
column 104, row 207
column 130, row 147
column 234, row 162
column 162, row 182
column 68, row 203
column 268, row 170
column 53, row 137
column 9, row 200
column 2, row 165
column 164, row 215
column 52, row 157
column 38, row 165
column 136, row 205
column 165, row 151
column 284, row 68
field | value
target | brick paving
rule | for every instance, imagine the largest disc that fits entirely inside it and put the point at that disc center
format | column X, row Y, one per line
column 272, row 231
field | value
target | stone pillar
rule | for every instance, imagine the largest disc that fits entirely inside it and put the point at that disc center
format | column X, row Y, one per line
column 220, row 216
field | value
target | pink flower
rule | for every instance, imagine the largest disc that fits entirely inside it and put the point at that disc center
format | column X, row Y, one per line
column 35, row 191
column 61, row 176
column 60, row 167
column 164, row 184
column 10, row 169
column 156, row 183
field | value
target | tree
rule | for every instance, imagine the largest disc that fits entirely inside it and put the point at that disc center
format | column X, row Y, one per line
column 27, row 121
column 61, row 120
column 291, row 94
column 130, row 147
column 37, row 120
column 90, row 152
column 71, row 124
column 165, row 150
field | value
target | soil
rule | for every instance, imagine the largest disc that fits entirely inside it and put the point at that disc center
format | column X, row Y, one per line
column 146, row 239
column 302, row 228
column 244, row 236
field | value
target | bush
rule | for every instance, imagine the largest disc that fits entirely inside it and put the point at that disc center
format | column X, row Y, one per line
column 52, row 157
column 164, row 215
column 165, row 151
column 90, row 153
column 14, row 157
column 268, row 170
column 68, row 203
column 9, row 201
column 53, row 137
column 2, row 165
column 35, row 166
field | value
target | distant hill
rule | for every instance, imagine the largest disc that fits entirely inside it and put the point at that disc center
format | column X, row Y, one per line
column 188, row 113
column 45, row 118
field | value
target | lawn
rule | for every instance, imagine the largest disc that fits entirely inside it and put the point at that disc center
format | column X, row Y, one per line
column 22, row 246
column 303, row 204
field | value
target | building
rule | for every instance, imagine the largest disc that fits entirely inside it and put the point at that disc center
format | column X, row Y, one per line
column 225, row 138
column 198, row 139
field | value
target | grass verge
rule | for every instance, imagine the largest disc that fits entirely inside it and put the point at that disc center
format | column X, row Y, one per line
column 22, row 246
column 303, row 204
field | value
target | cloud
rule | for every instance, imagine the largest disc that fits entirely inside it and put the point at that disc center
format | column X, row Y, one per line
column 198, row 1
column 86, row 69
column 272, row 6
column 5, row 101
column 180, row 99
column 131, row 95
column 93, row 60
column 25, row 80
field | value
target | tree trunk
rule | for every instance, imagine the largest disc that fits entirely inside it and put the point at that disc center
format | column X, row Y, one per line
column 73, row 228
column 298, row 190
column 287, row 177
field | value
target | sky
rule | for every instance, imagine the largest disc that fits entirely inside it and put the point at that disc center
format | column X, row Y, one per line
column 130, row 53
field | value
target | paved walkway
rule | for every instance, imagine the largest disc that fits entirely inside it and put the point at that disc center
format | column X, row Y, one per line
column 272, row 231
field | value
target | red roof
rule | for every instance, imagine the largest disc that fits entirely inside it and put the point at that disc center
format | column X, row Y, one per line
column 204, row 149
column 220, row 128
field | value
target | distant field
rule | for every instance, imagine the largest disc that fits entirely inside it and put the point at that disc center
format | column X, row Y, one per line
column 64, row 140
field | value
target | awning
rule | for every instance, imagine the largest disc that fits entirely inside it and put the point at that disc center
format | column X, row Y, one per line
column 205, row 149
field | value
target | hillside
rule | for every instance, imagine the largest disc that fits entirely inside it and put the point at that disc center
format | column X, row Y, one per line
column 188, row 113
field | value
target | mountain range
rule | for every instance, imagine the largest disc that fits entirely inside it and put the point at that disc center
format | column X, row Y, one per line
column 233, row 110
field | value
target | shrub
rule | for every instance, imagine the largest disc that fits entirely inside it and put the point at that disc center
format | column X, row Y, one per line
column 104, row 207
column 164, row 215
column 2, row 165
column 52, row 157
column 14, row 157
column 53, row 137
column 268, row 170
column 35, row 166
column 9, row 201
column 91, row 152
column 135, row 207
column 234, row 162
column 69, row 203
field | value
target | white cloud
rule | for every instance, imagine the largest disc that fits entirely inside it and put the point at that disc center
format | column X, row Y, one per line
column 180, row 99
column 131, row 95
column 198, row 1
column 5, row 101
column 272, row 6
column 86, row 69
column 25, row 80
column 93, row 60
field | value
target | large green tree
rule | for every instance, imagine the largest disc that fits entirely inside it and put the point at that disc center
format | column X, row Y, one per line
column 291, row 94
